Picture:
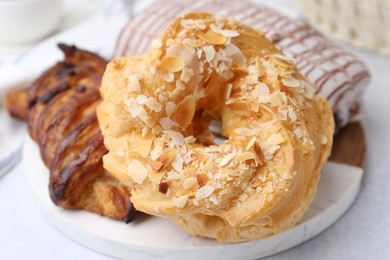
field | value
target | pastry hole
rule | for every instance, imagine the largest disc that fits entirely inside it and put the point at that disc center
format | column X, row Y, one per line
column 215, row 128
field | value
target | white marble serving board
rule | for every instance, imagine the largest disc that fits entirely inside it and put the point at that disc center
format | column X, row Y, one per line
column 152, row 237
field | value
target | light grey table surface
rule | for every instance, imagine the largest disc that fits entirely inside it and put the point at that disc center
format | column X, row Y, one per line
column 362, row 233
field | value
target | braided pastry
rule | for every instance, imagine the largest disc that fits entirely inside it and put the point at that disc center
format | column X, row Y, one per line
column 155, row 118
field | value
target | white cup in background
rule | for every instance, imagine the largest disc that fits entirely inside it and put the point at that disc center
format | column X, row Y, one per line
column 26, row 21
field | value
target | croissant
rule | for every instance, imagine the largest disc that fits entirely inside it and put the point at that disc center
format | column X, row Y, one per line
column 59, row 108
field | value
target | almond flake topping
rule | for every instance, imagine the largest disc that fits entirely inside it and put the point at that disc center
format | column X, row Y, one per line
column 177, row 162
column 190, row 139
column 167, row 123
column 213, row 199
column 174, row 176
column 235, row 53
column 211, row 37
column 226, row 159
column 153, row 104
column 168, row 77
column 226, row 33
column 186, row 75
column 298, row 132
column 176, row 137
column 278, row 98
column 291, row 114
column 172, row 63
column 244, row 131
column 170, row 108
column 166, row 157
column 291, row 82
column 228, row 92
column 155, row 153
column 180, row 202
column 209, row 52
column 189, row 183
column 141, row 99
column 245, row 156
column 284, row 61
column 309, row 90
column 282, row 114
column 204, row 192
column 275, row 139
column 250, row 143
column 133, row 85
column 259, row 67
column 261, row 89
column 137, row 171
column 132, row 107
column 186, row 22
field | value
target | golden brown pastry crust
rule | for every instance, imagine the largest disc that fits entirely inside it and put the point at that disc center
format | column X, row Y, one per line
column 16, row 104
column 60, row 111
column 155, row 114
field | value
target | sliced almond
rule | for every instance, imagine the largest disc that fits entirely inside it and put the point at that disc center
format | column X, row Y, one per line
column 250, row 143
column 277, row 98
column 209, row 52
column 172, row 63
column 298, row 132
column 256, row 184
column 259, row 67
column 291, row 82
column 153, row 104
column 190, row 139
column 185, row 111
column 141, row 99
column 202, row 179
column 177, row 162
column 166, row 158
column 275, row 139
column 200, row 156
column 189, row 183
column 176, row 137
column 155, row 177
column 211, row 37
column 291, row 114
column 244, row 131
column 170, row 108
column 174, row 176
column 226, row 33
column 261, row 89
column 204, row 192
column 167, row 123
column 235, row 53
column 133, row 85
column 180, row 202
column 259, row 153
column 156, row 165
column 226, row 159
column 245, row 156
column 137, row 171
column 228, row 92
column 283, row 61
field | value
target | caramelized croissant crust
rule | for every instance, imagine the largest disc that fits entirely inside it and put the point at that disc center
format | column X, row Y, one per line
column 60, row 109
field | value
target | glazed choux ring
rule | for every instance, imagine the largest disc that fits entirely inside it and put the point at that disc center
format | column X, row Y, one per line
column 155, row 118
